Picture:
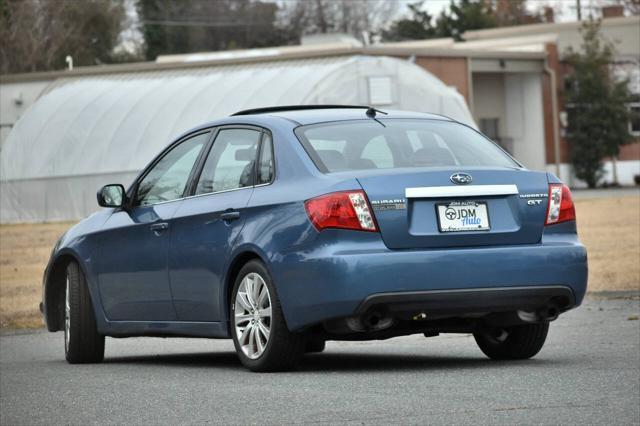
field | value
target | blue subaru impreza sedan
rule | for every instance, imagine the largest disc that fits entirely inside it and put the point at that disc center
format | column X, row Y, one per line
column 285, row 227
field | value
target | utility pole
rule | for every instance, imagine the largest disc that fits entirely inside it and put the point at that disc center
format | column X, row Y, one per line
column 578, row 11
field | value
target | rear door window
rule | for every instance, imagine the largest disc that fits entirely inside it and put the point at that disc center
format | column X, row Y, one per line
column 231, row 161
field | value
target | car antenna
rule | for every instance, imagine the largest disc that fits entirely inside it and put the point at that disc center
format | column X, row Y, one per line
column 371, row 112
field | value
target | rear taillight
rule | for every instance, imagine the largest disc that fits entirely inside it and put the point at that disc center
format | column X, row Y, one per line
column 560, row 208
column 344, row 210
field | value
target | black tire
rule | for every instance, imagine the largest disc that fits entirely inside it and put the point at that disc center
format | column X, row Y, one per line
column 520, row 342
column 283, row 349
column 314, row 346
column 83, row 344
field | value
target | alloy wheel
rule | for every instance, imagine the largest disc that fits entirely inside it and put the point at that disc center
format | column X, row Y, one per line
column 252, row 315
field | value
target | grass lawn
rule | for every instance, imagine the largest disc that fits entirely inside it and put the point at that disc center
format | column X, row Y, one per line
column 609, row 227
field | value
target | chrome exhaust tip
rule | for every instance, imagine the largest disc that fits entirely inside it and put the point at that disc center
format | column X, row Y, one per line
column 545, row 314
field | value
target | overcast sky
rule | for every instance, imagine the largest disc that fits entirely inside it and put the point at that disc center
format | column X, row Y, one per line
column 565, row 9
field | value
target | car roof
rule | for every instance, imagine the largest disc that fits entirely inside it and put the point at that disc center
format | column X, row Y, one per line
column 305, row 114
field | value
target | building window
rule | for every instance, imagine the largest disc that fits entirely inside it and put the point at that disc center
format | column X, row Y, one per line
column 628, row 69
column 634, row 119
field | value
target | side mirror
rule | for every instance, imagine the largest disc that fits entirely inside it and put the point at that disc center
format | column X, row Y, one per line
column 111, row 196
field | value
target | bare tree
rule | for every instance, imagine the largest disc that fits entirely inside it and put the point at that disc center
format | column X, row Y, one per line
column 632, row 6
column 182, row 26
column 303, row 17
column 37, row 35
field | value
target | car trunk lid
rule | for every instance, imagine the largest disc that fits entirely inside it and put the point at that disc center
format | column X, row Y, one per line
column 405, row 205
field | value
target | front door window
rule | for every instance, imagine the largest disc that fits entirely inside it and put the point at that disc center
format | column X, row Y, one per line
column 168, row 178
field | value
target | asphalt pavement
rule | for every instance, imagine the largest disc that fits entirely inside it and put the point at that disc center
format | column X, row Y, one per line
column 587, row 373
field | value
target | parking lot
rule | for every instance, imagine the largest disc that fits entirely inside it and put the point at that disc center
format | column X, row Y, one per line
column 588, row 372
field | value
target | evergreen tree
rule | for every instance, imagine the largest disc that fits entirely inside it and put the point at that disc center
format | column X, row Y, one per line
column 596, row 102
column 465, row 15
column 416, row 27
column 462, row 15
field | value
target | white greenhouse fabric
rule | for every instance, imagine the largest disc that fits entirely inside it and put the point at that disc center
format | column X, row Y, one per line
column 88, row 131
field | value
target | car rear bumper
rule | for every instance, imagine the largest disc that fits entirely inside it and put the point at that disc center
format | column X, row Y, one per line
column 331, row 281
column 469, row 301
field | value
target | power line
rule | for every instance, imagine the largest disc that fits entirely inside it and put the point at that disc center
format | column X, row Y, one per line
column 203, row 24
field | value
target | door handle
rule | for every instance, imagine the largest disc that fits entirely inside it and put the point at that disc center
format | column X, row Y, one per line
column 159, row 228
column 230, row 215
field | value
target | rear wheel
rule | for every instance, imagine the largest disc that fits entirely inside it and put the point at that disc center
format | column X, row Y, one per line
column 82, row 343
column 519, row 342
column 260, row 335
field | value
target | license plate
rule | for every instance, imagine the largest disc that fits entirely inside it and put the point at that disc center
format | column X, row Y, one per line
column 460, row 216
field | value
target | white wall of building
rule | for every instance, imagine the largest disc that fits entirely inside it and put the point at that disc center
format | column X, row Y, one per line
column 515, row 99
column 524, row 118
column 488, row 98
column 623, row 32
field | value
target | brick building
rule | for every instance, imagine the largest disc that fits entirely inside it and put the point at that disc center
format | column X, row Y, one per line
column 554, row 39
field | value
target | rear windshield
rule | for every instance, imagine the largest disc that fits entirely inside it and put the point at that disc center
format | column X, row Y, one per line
column 393, row 143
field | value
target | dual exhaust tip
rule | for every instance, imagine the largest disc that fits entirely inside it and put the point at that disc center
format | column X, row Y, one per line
column 377, row 319
column 549, row 313
column 544, row 314
column 372, row 320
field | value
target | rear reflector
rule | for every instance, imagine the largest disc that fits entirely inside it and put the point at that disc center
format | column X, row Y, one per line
column 344, row 210
column 560, row 208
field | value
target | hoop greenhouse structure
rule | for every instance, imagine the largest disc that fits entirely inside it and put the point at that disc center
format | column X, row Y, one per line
column 90, row 130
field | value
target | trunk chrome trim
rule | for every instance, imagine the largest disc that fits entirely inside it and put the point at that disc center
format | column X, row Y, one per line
column 460, row 191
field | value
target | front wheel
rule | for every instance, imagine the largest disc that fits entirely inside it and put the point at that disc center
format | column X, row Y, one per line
column 260, row 335
column 519, row 342
column 82, row 343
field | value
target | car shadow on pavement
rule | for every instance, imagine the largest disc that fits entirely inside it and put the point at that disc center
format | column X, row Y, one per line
column 333, row 362
column 400, row 362
column 206, row 359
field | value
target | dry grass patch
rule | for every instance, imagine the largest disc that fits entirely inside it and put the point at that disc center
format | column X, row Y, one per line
column 609, row 227
column 24, row 252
